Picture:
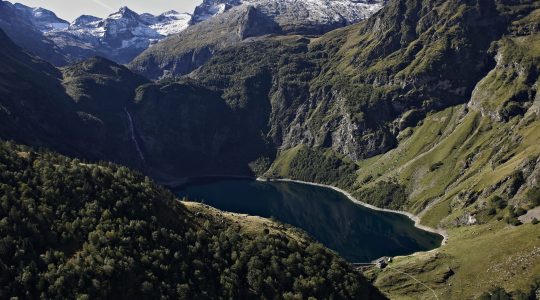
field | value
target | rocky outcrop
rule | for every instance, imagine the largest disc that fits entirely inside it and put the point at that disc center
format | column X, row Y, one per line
column 196, row 45
column 19, row 26
column 351, row 91
column 254, row 23
column 218, row 24
column 298, row 17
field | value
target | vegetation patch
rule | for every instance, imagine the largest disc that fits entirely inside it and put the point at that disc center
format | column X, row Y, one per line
column 316, row 165
column 386, row 194
column 77, row 230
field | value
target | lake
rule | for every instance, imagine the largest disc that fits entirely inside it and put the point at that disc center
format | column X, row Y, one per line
column 357, row 233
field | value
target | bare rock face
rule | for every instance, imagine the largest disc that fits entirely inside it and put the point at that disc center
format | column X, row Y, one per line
column 20, row 25
column 255, row 23
column 217, row 24
column 308, row 17
column 210, row 8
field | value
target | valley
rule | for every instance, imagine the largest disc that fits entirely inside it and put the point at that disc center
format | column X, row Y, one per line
column 430, row 108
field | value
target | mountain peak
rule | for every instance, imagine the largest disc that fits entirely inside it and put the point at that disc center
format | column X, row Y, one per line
column 170, row 12
column 123, row 12
column 210, row 8
column 124, row 9
column 44, row 19
column 84, row 20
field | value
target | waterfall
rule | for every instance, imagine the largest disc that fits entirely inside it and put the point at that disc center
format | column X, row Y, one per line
column 133, row 136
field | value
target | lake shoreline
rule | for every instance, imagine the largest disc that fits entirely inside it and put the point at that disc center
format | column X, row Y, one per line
column 179, row 182
column 411, row 216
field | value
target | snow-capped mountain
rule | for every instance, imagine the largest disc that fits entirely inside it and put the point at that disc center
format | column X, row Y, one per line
column 168, row 23
column 44, row 20
column 21, row 25
column 308, row 12
column 125, row 26
column 218, row 24
column 120, row 37
column 210, row 8
column 125, row 34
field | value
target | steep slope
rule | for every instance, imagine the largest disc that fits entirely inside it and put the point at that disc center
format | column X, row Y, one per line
column 77, row 230
column 221, row 24
column 479, row 178
column 326, row 93
column 300, row 17
column 344, row 93
column 119, row 37
column 19, row 26
column 188, row 130
column 192, row 48
column 471, row 169
column 44, row 20
column 99, row 110
column 25, row 117
column 385, row 74
column 103, row 92
column 505, row 92
column 80, row 111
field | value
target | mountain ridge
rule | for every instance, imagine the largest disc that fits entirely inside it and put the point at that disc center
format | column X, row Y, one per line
column 121, row 36
column 225, row 24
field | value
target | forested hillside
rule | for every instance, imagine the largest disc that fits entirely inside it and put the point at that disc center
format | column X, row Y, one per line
column 75, row 230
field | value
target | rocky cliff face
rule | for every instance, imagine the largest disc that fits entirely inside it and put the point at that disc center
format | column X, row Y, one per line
column 353, row 91
column 210, row 8
column 192, row 48
column 221, row 24
column 392, row 70
column 20, row 25
column 307, row 17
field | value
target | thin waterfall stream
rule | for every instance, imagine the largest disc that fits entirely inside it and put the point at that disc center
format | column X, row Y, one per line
column 134, row 136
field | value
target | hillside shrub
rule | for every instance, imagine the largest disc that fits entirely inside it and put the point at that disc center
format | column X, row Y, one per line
column 385, row 194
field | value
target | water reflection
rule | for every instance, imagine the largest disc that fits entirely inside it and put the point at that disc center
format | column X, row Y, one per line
column 359, row 234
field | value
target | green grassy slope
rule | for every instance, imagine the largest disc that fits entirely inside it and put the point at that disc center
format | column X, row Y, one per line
column 472, row 169
column 77, row 230
column 479, row 261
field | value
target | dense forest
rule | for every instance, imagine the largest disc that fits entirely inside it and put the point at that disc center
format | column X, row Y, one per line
column 88, row 231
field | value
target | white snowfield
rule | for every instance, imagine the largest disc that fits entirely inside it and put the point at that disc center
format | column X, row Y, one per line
column 171, row 23
column 129, row 28
column 310, row 11
column 125, row 34
column 125, row 27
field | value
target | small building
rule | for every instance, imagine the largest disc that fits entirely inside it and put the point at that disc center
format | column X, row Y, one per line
column 382, row 262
